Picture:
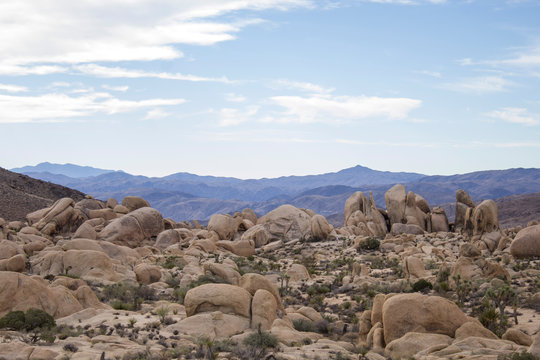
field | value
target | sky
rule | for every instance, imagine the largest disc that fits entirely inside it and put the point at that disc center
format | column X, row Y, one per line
column 268, row 88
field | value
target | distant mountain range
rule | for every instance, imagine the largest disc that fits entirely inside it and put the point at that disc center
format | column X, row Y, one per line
column 184, row 196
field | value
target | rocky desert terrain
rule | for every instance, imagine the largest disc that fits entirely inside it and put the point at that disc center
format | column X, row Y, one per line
column 88, row 279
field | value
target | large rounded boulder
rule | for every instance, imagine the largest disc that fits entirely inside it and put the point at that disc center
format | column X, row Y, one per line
column 286, row 223
column 228, row 299
column 224, row 225
column 131, row 229
column 526, row 243
column 404, row 313
column 396, row 203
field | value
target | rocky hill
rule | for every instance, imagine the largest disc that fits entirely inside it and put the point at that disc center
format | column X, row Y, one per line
column 21, row 194
column 104, row 280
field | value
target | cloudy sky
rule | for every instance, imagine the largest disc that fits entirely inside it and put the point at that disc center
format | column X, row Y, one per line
column 265, row 88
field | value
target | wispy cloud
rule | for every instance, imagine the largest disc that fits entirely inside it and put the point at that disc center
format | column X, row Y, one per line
column 116, row 88
column 302, row 86
column 61, row 107
column 479, row 85
column 156, row 114
column 13, row 88
column 233, row 117
column 16, row 70
column 117, row 30
column 231, row 97
column 117, row 72
column 516, row 116
column 336, row 109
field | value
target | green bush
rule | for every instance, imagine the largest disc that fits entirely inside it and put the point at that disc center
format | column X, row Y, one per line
column 33, row 319
column 303, row 325
column 422, row 286
column 369, row 244
column 13, row 320
column 261, row 339
column 38, row 319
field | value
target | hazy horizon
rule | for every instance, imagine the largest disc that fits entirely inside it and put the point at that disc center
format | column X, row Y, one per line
column 269, row 88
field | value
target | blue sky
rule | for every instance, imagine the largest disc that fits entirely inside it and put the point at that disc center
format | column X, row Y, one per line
column 265, row 88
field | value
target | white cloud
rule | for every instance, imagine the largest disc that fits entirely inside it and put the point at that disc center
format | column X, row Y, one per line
column 233, row 117
column 116, row 30
column 335, row 109
column 156, row 114
column 117, row 72
column 61, row 107
column 116, row 88
column 406, row 2
column 13, row 88
column 516, row 116
column 303, row 86
column 481, row 84
column 16, row 70
column 231, row 97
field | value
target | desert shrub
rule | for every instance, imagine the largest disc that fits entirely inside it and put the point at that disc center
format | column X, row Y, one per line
column 422, row 285
column 369, row 244
column 261, row 339
column 318, row 289
column 38, row 319
column 303, row 325
column 127, row 296
column 323, row 326
column 174, row 261
column 31, row 320
column 71, row 347
column 13, row 320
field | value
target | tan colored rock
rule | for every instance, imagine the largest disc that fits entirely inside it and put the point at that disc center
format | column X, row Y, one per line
column 225, row 298
column 439, row 220
column 286, row 333
column 364, row 327
column 484, row 218
column 111, row 203
column 526, row 243
column 60, row 217
column 16, row 263
column 517, row 336
column 224, row 225
column 214, row 325
column 376, row 309
column 250, row 215
column 298, row 272
column 263, row 310
column 404, row 313
column 238, row 247
column 253, row 282
column 86, row 264
column 414, row 266
column 120, row 209
column 9, row 249
column 148, row 274
column 355, row 202
column 398, row 228
column 224, row 271
column 86, row 231
column 107, row 214
column 320, row 227
column 312, row 314
column 134, row 202
column 258, row 234
column 170, row 237
column 396, row 198
column 473, row 328
column 131, row 229
column 286, row 223
column 422, row 204
column 535, row 346
column 413, row 342
column 21, row 292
